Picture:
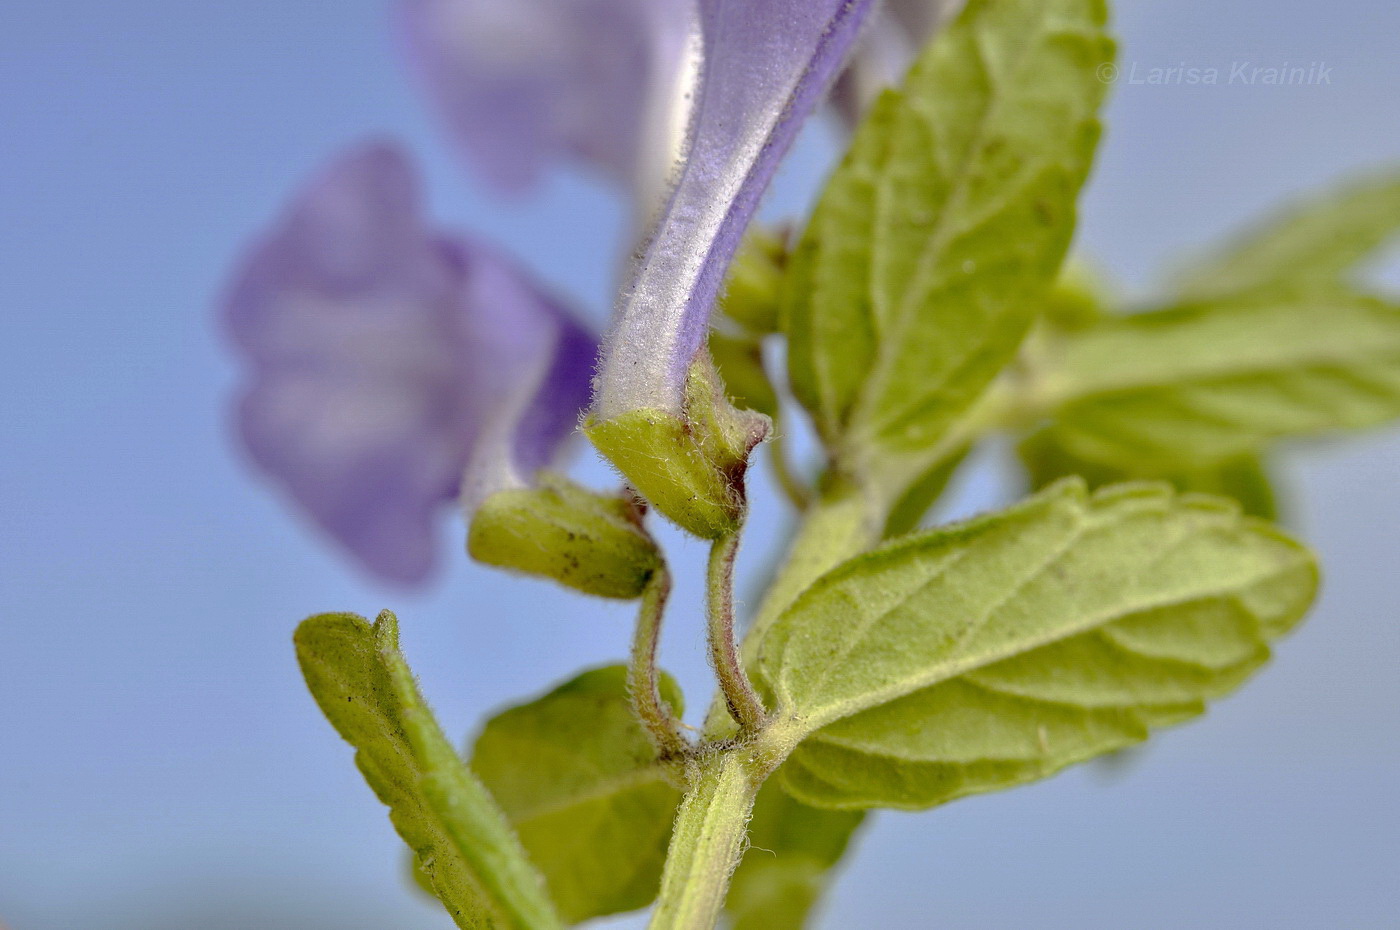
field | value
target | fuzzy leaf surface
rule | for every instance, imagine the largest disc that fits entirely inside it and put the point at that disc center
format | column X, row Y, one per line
column 462, row 842
column 1196, row 385
column 922, row 265
column 579, row 780
column 1000, row 650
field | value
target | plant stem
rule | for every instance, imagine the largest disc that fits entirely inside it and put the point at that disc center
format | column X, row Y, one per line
column 708, row 839
column 797, row 491
column 846, row 519
column 739, row 694
column 643, row 679
column 840, row 524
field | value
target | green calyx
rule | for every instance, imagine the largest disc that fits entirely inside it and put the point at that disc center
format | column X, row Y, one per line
column 739, row 360
column 689, row 466
column 594, row 543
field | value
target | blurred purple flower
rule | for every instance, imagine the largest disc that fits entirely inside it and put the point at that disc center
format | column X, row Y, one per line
column 520, row 83
column 395, row 367
column 898, row 31
column 767, row 64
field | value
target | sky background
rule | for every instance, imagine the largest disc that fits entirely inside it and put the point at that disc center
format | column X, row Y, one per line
column 161, row 766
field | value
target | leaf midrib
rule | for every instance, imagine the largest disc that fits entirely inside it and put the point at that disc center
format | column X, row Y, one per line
column 941, row 233
column 617, row 784
column 1310, row 357
column 816, row 719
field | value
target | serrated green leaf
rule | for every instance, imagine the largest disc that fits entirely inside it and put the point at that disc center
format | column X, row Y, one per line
column 1048, row 457
column 1193, row 386
column 579, row 780
column 792, row 850
column 922, row 265
column 1000, row 650
column 1312, row 243
column 914, row 504
column 463, row 843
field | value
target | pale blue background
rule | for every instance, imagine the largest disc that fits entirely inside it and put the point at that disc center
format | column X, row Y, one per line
column 160, row 764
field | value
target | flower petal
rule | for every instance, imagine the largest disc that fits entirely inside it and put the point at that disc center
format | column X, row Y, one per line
column 898, row 31
column 767, row 63
column 920, row 19
column 387, row 357
column 521, row 83
column 532, row 363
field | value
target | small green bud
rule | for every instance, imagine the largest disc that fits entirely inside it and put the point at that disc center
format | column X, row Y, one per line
column 753, row 290
column 691, row 466
column 1076, row 302
column 592, row 542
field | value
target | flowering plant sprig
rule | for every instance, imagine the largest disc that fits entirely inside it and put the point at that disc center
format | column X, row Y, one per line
column 396, row 368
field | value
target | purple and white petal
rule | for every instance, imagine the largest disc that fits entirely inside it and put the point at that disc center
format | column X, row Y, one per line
column 523, row 83
column 386, row 357
column 896, row 35
column 767, row 64
column 920, row 19
column 531, row 365
column 881, row 58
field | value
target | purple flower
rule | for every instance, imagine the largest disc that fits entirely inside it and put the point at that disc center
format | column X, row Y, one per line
column 520, row 83
column 766, row 66
column 394, row 367
column 896, row 35
column 920, row 19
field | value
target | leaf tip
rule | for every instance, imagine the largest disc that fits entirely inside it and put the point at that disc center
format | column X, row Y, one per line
column 319, row 632
column 386, row 630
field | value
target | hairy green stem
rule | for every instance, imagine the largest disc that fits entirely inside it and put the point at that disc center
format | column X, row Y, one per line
column 846, row 519
column 643, row 679
column 840, row 524
column 739, row 694
column 708, row 839
column 798, row 493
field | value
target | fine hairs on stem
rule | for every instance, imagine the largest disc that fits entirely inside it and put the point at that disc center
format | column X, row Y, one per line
column 739, row 694
column 643, row 679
